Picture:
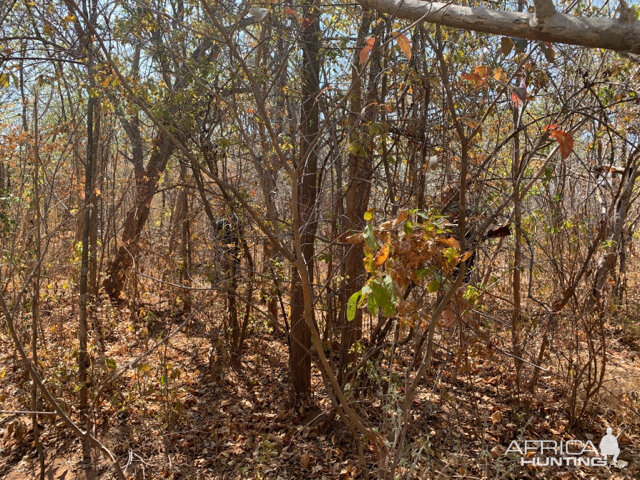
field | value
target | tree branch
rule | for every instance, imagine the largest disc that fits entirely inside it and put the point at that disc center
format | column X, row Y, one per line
column 544, row 9
column 595, row 32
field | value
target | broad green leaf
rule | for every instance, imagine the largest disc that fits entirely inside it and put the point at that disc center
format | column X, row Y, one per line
column 352, row 304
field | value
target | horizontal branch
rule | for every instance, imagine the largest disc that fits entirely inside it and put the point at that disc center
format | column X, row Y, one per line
column 595, row 32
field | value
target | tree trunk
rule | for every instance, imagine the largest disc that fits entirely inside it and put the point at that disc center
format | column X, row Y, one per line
column 84, row 361
column 307, row 185
column 359, row 189
column 136, row 218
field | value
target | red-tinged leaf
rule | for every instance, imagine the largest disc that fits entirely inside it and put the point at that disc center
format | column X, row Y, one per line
column 550, row 127
column 366, row 50
column 483, row 71
column 469, row 77
column 548, row 51
column 478, row 77
column 290, row 11
column 515, row 99
column 565, row 141
column 404, row 43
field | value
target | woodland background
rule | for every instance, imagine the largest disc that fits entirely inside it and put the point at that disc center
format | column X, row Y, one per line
column 322, row 241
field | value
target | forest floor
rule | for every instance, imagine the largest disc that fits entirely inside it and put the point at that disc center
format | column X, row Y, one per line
column 178, row 417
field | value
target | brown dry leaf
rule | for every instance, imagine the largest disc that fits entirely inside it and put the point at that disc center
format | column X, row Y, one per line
column 386, row 226
column 304, row 460
column 354, row 239
column 497, row 417
column 402, row 216
column 466, row 255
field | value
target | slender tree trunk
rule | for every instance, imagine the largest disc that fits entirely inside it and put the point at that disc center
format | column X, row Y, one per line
column 516, row 320
column 360, row 172
column 83, row 355
column 307, row 186
column 93, row 222
column 35, row 300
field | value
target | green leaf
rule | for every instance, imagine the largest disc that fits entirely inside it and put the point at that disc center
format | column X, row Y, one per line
column 384, row 296
column 433, row 286
column 352, row 304
column 110, row 363
column 372, row 304
column 451, row 254
column 369, row 237
column 388, row 283
column 408, row 227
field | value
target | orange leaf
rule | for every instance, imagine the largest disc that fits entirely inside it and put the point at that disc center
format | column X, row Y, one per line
column 475, row 78
column 482, row 71
column 366, row 50
column 290, row 11
column 467, row 255
column 404, row 43
column 515, row 99
column 449, row 242
column 382, row 254
column 565, row 141
column 469, row 77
